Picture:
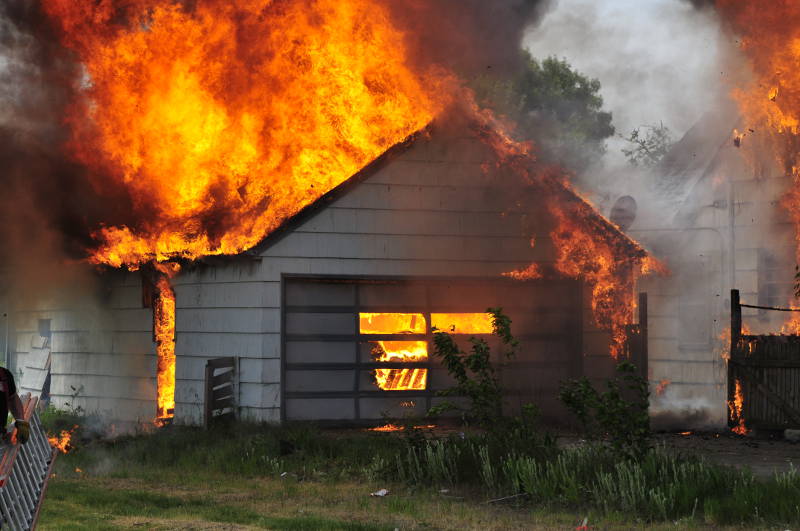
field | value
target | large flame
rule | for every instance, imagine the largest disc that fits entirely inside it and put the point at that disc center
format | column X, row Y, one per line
column 221, row 119
column 164, row 328
column 587, row 246
column 770, row 103
column 770, row 38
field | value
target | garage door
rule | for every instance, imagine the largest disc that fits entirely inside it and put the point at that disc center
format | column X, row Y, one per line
column 361, row 350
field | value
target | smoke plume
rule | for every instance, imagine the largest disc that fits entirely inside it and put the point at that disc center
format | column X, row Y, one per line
column 469, row 37
column 657, row 61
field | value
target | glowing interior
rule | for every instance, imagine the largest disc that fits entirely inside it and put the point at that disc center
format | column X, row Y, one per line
column 405, row 379
column 392, row 323
column 401, row 379
column 462, row 323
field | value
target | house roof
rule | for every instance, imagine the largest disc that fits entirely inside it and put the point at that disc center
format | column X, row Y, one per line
column 549, row 183
column 693, row 156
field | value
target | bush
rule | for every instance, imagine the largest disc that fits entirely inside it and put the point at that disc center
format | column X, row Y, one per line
column 474, row 372
column 625, row 422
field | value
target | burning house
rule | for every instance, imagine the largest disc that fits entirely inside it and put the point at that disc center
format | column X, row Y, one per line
column 306, row 187
column 717, row 217
column 331, row 316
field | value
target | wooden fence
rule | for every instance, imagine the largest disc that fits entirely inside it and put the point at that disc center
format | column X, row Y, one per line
column 764, row 371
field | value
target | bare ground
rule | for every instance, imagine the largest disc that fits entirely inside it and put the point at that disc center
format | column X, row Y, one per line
column 763, row 455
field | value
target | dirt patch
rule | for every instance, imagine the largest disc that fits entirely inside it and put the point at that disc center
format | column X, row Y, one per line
column 763, row 456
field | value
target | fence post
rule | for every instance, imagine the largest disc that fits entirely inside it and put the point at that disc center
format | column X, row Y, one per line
column 736, row 320
column 736, row 334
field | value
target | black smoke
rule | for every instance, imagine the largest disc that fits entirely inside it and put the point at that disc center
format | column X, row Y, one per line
column 46, row 197
column 469, row 37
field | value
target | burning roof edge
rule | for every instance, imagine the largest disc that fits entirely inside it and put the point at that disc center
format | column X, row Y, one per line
column 555, row 185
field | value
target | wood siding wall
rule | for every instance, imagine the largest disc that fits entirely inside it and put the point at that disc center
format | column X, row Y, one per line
column 432, row 211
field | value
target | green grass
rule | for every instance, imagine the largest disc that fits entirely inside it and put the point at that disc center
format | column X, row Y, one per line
column 78, row 504
column 300, row 477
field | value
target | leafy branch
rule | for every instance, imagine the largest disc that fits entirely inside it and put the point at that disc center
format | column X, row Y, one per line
column 649, row 144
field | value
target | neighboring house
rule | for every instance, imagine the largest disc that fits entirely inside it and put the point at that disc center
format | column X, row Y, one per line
column 426, row 231
column 713, row 213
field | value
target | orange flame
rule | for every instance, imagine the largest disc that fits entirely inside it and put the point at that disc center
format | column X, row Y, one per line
column 735, row 408
column 531, row 272
column 221, row 119
column 164, row 328
column 62, row 442
column 463, row 323
column 392, row 323
column 411, row 378
column 770, row 39
column 587, row 246
column 388, row 428
column 401, row 379
column 662, row 386
column 725, row 341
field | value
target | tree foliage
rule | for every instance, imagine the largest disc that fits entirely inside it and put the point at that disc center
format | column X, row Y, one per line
column 648, row 144
column 558, row 107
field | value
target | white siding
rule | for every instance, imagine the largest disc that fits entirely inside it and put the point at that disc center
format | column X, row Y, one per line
column 431, row 211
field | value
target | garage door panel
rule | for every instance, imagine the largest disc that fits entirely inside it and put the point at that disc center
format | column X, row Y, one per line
column 320, row 352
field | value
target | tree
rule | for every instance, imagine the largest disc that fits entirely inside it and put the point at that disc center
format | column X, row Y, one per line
column 648, row 148
column 556, row 106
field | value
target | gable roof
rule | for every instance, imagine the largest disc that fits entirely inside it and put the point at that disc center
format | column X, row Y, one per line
column 692, row 157
column 550, row 184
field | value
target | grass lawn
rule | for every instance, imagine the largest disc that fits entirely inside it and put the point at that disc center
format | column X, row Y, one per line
column 185, row 478
column 218, row 501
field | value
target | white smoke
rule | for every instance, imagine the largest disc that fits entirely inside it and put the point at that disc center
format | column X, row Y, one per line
column 657, row 60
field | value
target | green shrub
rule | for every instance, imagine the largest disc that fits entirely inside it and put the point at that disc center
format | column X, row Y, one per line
column 474, row 373
column 620, row 414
